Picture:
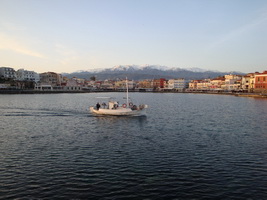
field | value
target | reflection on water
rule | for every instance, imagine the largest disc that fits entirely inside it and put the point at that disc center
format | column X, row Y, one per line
column 115, row 120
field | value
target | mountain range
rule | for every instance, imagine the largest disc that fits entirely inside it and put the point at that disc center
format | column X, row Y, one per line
column 136, row 72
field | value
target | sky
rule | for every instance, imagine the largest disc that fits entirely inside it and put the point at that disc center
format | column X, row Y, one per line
column 72, row 35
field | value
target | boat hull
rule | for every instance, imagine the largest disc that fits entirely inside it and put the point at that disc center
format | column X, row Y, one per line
column 118, row 112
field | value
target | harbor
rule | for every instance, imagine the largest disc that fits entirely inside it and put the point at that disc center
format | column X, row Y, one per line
column 187, row 145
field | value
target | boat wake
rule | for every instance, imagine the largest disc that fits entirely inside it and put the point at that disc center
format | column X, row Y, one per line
column 20, row 112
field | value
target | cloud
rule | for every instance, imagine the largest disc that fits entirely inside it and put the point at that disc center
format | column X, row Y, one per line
column 14, row 44
column 241, row 30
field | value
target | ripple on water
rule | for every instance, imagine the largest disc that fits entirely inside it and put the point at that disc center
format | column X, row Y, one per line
column 190, row 147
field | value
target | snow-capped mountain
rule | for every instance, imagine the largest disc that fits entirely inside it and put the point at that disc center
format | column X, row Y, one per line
column 139, row 72
column 136, row 67
column 157, row 67
column 125, row 68
column 195, row 69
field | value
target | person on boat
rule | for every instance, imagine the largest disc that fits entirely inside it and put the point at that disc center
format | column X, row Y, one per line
column 98, row 106
column 104, row 105
column 115, row 106
column 134, row 107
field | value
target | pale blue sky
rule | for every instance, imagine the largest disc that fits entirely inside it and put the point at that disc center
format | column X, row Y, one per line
column 71, row 35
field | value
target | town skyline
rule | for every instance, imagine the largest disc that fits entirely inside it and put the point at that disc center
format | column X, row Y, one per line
column 67, row 36
column 135, row 72
column 51, row 81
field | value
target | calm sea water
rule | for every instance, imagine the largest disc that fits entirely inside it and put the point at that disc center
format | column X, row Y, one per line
column 190, row 146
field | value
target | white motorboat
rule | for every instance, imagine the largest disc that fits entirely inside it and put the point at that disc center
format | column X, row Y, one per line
column 113, row 108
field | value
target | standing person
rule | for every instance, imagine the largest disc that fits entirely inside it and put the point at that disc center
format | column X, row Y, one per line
column 98, row 106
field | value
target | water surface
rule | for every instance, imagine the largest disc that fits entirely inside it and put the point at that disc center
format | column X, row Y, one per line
column 190, row 146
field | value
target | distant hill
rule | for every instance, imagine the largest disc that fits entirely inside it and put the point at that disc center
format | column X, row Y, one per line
column 135, row 72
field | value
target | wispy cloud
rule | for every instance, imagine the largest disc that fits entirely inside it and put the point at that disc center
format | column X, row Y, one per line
column 14, row 44
column 241, row 30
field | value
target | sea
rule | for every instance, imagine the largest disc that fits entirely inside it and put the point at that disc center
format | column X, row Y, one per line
column 188, row 146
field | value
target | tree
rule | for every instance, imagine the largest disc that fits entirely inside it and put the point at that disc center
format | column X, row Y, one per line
column 92, row 78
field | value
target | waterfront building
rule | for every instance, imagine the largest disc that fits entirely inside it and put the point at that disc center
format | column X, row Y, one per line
column 165, row 84
column 97, row 84
column 80, row 81
column 25, row 75
column 145, row 84
column 50, row 81
column 108, row 85
column 177, row 84
column 232, row 82
column 203, row 85
column 248, row 82
column 51, row 78
column 121, row 84
column 71, row 85
column 64, row 80
column 89, row 85
column 261, row 82
column 7, row 73
column 159, row 83
column 216, row 83
column 193, row 84
column 131, row 84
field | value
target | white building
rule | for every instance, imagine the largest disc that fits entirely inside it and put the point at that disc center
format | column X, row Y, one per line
column 7, row 72
column 72, row 84
column 232, row 82
column 25, row 75
column 178, row 84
